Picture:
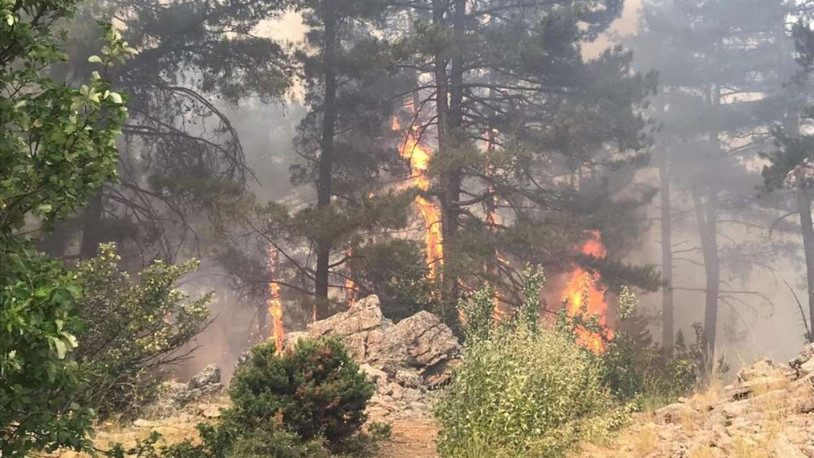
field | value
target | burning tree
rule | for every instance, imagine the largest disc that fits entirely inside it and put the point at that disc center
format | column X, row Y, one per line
column 528, row 144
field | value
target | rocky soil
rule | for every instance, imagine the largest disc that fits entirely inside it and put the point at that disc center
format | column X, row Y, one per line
column 767, row 413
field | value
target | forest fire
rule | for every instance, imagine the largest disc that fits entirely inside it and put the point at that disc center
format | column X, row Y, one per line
column 275, row 304
column 584, row 296
column 419, row 159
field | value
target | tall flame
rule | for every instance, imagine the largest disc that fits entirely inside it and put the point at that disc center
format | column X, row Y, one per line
column 584, row 296
column 275, row 304
column 419, row 159
column 350, row 285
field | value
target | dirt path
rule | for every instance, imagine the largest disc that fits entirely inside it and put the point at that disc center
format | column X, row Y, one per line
column 410, row 439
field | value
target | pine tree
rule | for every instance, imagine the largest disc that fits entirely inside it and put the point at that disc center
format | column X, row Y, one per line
column 721, row 67
column 182, row 164
column 532, row 141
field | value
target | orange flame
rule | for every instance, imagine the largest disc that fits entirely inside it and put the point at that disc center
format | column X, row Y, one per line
column 275, row 304
column 350, row 285
column 584, row 296
column 419, row 159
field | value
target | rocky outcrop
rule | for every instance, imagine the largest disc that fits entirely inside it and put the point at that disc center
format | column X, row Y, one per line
column 767, row 411
column 405, row 360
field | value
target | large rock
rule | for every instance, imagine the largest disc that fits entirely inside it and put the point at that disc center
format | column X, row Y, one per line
column 364, row 315
column 403, row 360
column 421, row 342
column 425, row 338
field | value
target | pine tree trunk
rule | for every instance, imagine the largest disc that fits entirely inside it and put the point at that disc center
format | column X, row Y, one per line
column 323, row 248
column 804, row 206
column 707, row 218
column 667, row 312
column 442, row 102
column 450, row 119
column 91, row 227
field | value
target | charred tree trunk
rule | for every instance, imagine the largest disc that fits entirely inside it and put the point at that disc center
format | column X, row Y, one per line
column 667, row 312
column 707, row 217
column 804, row 207
column 323, row 248
column 91, row 227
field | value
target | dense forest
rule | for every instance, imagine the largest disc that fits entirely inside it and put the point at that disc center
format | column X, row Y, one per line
column 607, row 203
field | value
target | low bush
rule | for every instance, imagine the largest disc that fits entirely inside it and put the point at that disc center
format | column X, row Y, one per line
column 522, row 390
column 133, row 329
column 314, row 390
column 284, row 406
column 633, row 367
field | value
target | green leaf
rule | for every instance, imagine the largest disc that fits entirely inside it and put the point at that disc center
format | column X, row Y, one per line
column 116, row 98
column 95, row 59
column 61, row 348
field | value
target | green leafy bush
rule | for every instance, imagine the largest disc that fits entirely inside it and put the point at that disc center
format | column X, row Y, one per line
column 38, row 377
column 132, row 329
column 314, row 390
column 57, row 145
column 523, row 389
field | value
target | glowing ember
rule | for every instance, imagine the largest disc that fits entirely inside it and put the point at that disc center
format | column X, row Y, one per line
column 275, row 304
column 419, row 159
column 585, row 296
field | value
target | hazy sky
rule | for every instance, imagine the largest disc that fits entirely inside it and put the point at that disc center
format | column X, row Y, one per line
column 290, row 27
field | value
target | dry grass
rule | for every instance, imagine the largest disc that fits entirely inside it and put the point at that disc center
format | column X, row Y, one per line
column 751, row 447
column 644, row 442
column 701, row 451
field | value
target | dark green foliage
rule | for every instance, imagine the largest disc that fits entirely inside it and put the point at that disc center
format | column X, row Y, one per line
column 396, row 271
column 637, row 370
column 132, row 329
column 314, row 390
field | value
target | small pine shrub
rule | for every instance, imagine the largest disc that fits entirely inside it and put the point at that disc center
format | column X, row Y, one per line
column 314, row 390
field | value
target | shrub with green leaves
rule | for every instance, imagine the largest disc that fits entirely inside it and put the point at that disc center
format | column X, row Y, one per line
column 522, row 389
column 57, row 145
column 38, row 378
column 133, row 329
column 524, row 394
column 313, row 390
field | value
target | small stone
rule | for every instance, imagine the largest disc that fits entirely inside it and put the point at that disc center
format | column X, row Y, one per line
column 408, row 378
column 673, row 413
column 142, row 423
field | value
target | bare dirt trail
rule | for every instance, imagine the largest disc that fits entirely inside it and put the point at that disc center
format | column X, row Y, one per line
column 410, row 439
